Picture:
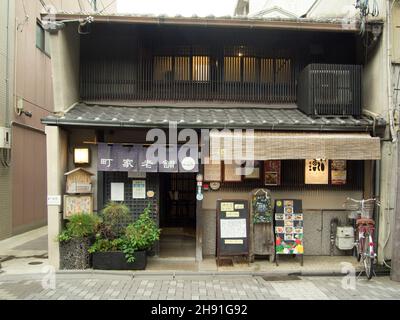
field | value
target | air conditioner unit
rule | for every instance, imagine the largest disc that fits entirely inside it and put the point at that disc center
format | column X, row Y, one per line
column 330, row 89
column 5, row 138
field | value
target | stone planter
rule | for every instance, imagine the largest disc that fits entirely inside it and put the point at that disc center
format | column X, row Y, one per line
column 115, row 260
column 74, row 254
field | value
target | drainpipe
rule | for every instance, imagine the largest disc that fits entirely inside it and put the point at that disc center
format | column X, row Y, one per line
column 389, row 72
column 377, row 195
column 7, row 109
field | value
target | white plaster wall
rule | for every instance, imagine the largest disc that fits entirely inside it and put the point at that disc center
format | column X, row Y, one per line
column 65, row 48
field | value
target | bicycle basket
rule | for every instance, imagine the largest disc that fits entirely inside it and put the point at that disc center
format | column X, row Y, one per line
column 358, row 210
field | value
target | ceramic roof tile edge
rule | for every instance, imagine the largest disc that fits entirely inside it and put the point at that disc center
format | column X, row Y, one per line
column 314, row 24
column 76, row 117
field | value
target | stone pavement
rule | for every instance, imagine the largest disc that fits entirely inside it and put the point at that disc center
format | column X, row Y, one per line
column 114, row 286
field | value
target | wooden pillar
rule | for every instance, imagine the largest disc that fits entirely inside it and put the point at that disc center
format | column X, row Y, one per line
column 395, row 271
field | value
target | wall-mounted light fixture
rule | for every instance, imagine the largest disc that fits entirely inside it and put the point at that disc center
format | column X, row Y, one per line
column 81, row 156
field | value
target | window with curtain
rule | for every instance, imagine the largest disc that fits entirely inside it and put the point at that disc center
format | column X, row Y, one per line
column 201, row 68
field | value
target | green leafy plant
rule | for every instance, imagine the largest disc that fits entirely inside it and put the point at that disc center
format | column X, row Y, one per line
column 140, row 235
column 115, row 217
column 79, row 226
column 106, row 245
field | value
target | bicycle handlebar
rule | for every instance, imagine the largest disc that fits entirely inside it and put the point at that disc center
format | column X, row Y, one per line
column 363, row 201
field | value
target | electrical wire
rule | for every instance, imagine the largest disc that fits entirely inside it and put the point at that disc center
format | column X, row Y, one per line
column 366, row 10
column 20, row 26
column 105, row 8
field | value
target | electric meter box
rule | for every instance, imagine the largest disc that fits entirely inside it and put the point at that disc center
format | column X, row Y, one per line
column 345, row 238
column 5, row 138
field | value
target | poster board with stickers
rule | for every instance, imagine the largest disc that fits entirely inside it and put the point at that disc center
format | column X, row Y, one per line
column 289, row 228
column 232, row 228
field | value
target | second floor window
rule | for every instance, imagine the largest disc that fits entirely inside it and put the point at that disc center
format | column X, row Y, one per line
column 252, row 69
column 181, row 68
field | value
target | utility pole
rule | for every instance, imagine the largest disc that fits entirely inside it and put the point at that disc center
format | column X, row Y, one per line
column 395, row 272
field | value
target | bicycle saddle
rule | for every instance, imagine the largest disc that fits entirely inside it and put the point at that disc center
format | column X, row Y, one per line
column 365, row 221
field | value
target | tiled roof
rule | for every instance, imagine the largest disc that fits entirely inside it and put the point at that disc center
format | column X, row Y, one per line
column 268, row 118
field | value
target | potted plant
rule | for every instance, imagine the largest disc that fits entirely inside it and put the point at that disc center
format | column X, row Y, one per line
column 127, row 252
column 76, row 239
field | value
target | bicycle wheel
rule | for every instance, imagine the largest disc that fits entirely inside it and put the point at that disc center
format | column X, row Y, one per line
column 359, row 248
column 368, row 258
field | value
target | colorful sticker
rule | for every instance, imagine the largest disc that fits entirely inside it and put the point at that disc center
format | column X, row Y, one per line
column 298, row 230
column 279, row 216
column 289, row 237
column 288, row 216
column 288, row 210
column 289, row 229
column 279, row 229
column 288, row 203
column 288, row 223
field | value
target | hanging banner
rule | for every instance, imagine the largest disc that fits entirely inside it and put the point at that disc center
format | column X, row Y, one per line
column 147, row 161
column 188, row 157
column 272, row 173
column 316, row 171
column 170, row 163
column 339, row 172
column 106, row 158
column 117, row 157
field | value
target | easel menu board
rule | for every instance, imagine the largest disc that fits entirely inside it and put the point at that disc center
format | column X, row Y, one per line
column 289, row 228
column 232, row 228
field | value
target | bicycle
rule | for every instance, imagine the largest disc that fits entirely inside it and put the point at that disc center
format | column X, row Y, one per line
column 362, row 211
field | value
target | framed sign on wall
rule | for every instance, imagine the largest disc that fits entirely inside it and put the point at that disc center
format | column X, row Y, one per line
column 74, row 204
column 255, row 173
column 232, row 173
column 212, row 171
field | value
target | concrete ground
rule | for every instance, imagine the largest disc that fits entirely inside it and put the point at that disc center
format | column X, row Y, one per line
column 25, row 274
column 144, row 287
column 27, row 254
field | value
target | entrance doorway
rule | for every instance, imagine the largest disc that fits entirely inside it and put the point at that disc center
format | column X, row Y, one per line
column 178, row 215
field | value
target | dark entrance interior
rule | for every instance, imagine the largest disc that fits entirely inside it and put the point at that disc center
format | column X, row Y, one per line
column 178, row 215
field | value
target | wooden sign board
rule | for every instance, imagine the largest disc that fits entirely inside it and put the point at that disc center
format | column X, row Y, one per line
column 74, row 204
column 233, row 228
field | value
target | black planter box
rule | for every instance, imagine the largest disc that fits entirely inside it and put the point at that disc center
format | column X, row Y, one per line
column 115, row 260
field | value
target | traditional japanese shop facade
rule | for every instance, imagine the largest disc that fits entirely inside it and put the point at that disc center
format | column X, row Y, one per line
column 119, row 88
column 320, row 168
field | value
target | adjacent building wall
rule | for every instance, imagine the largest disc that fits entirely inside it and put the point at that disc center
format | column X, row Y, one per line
column 66, row 52
column 377, row 100
column 6, row 80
